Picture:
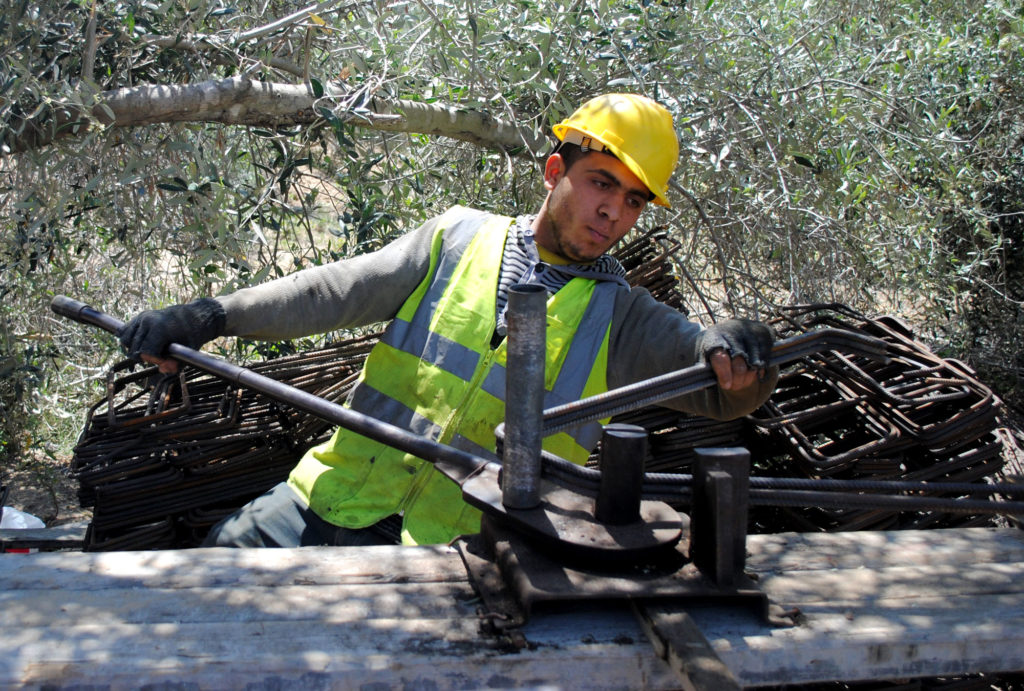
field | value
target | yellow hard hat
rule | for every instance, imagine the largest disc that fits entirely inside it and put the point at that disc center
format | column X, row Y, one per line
column 636, row 129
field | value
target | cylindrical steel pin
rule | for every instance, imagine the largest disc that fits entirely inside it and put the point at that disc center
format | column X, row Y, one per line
column 524, row 396
column 623, row 449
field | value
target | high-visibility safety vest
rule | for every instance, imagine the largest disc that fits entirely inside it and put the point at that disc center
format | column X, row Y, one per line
column 434, row 373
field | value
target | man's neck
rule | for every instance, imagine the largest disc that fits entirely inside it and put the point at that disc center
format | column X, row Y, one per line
column 549, row 257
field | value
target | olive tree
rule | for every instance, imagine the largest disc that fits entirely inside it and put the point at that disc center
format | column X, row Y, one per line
column 867, row 153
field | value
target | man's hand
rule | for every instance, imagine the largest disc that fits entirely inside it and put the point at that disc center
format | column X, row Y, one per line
column 737, row 350
column 148, row 336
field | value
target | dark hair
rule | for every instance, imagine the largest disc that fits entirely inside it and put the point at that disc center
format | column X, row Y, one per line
column 572, row 152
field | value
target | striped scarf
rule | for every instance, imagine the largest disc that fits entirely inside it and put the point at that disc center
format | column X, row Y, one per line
column 521, row 263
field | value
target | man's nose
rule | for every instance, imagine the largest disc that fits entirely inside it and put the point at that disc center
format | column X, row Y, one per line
column 612, row 209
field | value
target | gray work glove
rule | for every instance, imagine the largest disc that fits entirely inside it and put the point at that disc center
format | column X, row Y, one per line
column 750, row 339
column 153, row 331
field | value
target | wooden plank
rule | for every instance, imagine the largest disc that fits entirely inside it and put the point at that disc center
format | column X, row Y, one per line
column 256, row 567
column 873, row 606
column 679, row 641
column 861, row 587
column 330, row 604
column 438, row 652
column 394, row 654
column 266, row 618
column 879, row 549
column 70, row 536
column 885, row 643
column 879, row 606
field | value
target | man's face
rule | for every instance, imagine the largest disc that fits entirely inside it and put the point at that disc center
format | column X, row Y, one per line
column 590, row 207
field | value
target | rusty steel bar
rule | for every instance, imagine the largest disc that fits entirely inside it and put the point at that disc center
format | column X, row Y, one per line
column 683, row 496
column 935, row 429
column 778, row 497
column 699, row 377
column 454, row 463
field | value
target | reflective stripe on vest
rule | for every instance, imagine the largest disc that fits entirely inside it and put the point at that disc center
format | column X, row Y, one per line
column 434, row 373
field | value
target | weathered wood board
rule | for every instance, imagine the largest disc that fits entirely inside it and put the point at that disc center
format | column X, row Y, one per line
column 873, row 605
column 879, row 605
column 71, row 536
column 304, row 618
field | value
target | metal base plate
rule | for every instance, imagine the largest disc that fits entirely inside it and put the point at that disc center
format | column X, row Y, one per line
column 564, row 522
column 513, row 577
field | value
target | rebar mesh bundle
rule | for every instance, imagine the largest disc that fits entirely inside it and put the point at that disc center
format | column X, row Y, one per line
column 916, row 416
column 163, row 458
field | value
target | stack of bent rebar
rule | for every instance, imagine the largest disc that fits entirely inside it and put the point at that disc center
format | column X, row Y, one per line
column 915, row 417
column 163, row 458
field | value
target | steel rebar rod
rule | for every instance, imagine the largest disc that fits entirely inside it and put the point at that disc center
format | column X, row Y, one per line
column 457, row 464
column 454, row 463
column 701, row 376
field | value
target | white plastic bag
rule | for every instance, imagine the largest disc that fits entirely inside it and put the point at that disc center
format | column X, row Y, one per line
column 19, row 520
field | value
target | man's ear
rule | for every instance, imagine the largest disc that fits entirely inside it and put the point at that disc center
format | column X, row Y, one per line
column 554, row 170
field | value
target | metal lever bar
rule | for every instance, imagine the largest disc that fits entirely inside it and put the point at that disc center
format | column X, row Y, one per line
column 456, row 464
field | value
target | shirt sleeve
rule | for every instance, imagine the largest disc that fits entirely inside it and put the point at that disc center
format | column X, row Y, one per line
column 649, row 339
column 362, row 290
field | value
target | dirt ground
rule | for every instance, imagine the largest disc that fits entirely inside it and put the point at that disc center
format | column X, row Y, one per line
column 42, row 486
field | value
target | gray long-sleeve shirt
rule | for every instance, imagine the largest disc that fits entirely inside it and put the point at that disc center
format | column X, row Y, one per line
column 647, row 338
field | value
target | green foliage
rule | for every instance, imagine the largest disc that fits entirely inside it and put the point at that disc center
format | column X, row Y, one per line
column 862, row 152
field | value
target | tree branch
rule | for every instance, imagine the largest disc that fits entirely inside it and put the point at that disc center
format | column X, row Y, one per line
column 283, row 22
column 223, row 55
column 244, row 101
column 89, row 55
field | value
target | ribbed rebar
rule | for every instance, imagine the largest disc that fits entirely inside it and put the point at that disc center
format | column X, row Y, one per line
column 698, row 377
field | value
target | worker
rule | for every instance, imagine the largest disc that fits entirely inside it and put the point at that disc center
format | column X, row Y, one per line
column 438, row 369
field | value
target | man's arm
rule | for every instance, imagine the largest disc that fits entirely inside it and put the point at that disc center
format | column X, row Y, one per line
column 362, row 290
column 353, row 292
column 649, row 339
